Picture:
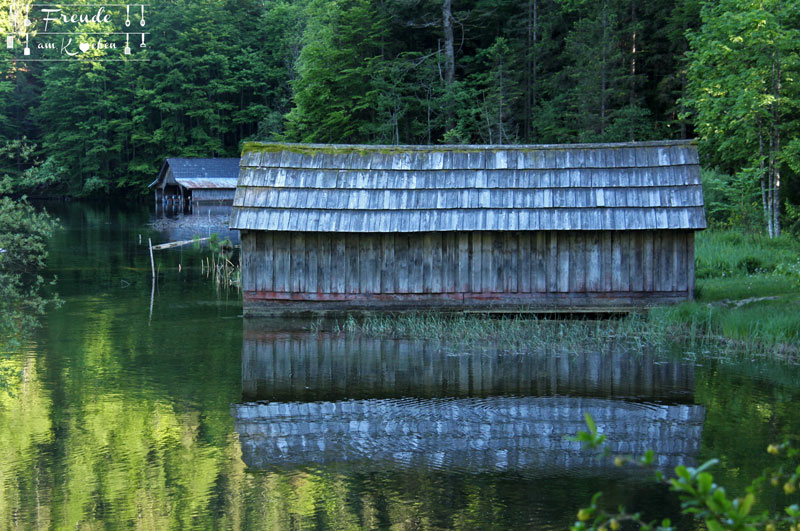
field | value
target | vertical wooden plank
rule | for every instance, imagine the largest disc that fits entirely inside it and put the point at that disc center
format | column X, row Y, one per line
column 539, row 267
column 593, row 262
column 563, row 262
column 260, row 278
column 436, row 268
column 368, row 275
column 606, row 267
column 526, row 256
column 647, row 260
column 352, row 250
column 498, row 261
column 282, row 261
column 444, row 274
column 637, row 273
column 475, row 265
column 682, row 282
column 462, row 262
column 267, row 257
column 667, row 255
column 339, row 263
column 402, row 262
column 690, row 262
column 416, row 273
column 487, row 263
column 625, row 264
column 363, row 263
column 248, row 253
column 324, row 283
column 374, row 253
column 388, row 265
column 427, row 262
column 448, row 262
column 678, row 247
column 297, row 274
column 312, row 259
column 659, row 275
column 452, row 259
column 251, row 259
column 577, row 262
column 616, row 261
column 551, row 270
column 510, row 263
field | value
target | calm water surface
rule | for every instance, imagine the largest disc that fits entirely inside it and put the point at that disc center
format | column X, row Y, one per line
column 174, row 413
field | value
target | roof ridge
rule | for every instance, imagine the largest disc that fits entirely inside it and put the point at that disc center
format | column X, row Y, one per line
column 289, row 146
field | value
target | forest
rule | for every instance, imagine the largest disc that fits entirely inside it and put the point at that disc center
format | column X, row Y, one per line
column 218, row 73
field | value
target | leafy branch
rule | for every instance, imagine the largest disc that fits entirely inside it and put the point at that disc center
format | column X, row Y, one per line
column 700, row 496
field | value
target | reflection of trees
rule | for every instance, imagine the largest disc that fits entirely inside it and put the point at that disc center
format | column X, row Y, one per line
column 138, row 463
column 27, row 429
column 744, row 414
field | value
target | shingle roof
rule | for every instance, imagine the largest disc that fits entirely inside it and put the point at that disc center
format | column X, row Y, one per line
column 341, row 188
column 201, row 173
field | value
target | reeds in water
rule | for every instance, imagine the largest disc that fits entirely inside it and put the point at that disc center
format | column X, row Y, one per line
column 224, row 271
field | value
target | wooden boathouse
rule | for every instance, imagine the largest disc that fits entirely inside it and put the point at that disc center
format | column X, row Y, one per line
column 586, row 227
column 183, row 181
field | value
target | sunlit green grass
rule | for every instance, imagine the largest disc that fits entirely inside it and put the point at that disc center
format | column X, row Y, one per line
column 725, row 254
column 744, row 287
column 733, row 268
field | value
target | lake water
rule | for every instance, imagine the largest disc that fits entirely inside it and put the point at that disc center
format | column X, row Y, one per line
column 172, row 412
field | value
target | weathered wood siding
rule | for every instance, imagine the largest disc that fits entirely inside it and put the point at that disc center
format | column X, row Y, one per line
column 463, row 269
column 214, row 195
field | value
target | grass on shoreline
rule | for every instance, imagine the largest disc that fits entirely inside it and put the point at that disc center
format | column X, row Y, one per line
column 748, row 289
column 747, row 301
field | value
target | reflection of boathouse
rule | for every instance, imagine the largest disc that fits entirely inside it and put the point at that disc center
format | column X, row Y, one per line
column 187, row 181
column 329, row 398
column 572, row 227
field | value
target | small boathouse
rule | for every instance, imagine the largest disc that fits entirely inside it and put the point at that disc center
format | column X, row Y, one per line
column 183, row 181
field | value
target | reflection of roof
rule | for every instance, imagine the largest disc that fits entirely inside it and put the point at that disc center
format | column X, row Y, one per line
column 201, row 173
column 480, row 434
column 385, row 189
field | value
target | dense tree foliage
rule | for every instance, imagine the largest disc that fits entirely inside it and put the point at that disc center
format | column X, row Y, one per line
column 23, row 248
column 743, row 89
column 421, row 71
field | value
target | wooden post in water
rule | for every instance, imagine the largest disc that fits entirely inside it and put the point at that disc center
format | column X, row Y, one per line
column 152, row 264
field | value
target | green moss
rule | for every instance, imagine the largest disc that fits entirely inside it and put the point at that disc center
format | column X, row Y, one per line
column 307, row 149
column 362, row 150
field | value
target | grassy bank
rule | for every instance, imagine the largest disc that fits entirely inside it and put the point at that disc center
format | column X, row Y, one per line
column 747, row 300
column 748, row 290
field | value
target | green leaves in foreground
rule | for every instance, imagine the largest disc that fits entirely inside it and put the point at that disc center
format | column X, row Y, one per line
column 700, row 496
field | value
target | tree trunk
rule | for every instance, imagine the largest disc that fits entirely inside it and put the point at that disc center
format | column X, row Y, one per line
column 776, row 171
column 632, row 95
column 449, row 51
column 765, row 198
column 603, row 75
column 530, row 67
